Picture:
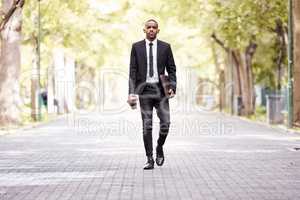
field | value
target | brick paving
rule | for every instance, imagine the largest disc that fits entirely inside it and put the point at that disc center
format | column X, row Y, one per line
column 92, row 156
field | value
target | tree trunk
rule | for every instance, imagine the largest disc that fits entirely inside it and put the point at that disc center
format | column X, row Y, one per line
column 220, row 77
column 243, row 75
column 237, row 71
column 250, row 96
column 35, row 83
column 244, row 78
column 282, row 51
column 10, row 63
column 296, row 71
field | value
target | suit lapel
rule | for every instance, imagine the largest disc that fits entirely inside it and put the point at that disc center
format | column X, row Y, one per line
column 158, row 52
column 143, row 54
column 143, row 50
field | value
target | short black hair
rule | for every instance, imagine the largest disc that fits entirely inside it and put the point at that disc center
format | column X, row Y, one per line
column 151, row 20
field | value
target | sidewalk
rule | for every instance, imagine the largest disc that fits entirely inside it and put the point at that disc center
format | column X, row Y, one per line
column 208, row 156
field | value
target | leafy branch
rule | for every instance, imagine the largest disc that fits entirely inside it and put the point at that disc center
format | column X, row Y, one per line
column 6, row 16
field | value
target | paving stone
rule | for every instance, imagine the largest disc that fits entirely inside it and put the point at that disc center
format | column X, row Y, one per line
column 67, row 159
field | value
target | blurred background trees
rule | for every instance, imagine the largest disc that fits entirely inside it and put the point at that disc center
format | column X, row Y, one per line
column 253, row 37
column 236, row 45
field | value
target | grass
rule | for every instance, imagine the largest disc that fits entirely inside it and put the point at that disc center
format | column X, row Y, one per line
column 259, row 115
column 27, row 119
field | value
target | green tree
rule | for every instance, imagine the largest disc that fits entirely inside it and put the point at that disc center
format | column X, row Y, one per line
column 78, row 27
column 242, row 28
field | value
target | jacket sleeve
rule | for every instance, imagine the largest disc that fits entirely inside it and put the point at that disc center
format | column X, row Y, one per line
column 132, row 71
column 171, row 69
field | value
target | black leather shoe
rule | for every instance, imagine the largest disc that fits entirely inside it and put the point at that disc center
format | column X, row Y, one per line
column 160, row 158
column 149, row 164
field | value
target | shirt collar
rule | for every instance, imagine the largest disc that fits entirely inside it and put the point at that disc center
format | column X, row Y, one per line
column 148, row 41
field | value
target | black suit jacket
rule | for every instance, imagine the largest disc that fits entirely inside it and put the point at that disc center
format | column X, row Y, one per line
column 138, row 65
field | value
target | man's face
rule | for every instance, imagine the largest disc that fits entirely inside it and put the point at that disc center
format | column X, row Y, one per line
column 151, row 30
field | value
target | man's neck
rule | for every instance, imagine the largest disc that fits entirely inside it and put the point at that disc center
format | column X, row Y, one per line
column 150, row 40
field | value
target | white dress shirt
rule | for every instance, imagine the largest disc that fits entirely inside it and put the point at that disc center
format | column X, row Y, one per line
column 154, row 78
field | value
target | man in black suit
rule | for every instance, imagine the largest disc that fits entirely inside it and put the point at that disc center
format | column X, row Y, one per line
column 149, row 59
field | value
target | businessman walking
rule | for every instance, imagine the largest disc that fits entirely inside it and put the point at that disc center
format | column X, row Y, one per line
column 149, row 59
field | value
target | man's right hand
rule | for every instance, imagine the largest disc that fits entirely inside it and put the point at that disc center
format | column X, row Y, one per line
column 132, row 97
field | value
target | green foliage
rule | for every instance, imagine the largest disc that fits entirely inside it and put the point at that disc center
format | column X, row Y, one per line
column 100, row 33
column 236, row 23
column 260, row 114
column 73, row 25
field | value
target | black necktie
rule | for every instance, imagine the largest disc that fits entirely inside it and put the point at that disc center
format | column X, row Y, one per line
column 151, row 59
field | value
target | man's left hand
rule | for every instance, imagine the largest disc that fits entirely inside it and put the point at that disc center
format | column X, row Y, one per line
column 171, row 93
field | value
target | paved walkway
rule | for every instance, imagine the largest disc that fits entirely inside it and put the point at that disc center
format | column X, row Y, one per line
column 208, row 156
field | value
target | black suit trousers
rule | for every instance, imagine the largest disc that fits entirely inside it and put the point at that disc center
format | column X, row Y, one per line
column 151, row 97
